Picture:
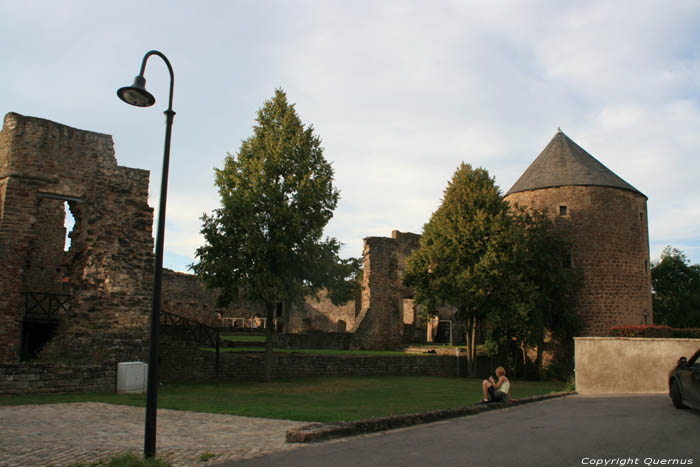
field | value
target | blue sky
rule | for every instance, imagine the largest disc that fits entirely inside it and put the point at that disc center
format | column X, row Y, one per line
column 399, row 92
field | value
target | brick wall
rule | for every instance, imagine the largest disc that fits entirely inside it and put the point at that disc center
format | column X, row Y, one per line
column 608, row 227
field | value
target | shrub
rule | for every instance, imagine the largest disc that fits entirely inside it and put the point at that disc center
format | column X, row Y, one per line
column 645, row 330
column 652, row 330
column 692, row 333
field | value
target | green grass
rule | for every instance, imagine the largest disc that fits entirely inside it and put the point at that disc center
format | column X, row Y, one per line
column 309, row 399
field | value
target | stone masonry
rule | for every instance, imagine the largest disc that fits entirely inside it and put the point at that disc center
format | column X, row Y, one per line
column 380, row 323
column 106, row 274
column 610, row 245
column 606, row 220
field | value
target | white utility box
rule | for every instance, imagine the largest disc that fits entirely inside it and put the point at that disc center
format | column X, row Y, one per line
column 132, row 377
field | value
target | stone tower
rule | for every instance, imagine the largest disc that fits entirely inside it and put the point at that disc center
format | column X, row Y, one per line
column 606, row 219
column 80, row 297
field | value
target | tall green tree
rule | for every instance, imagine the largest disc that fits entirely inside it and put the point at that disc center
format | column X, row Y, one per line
column 495, row 264
column 265, row 243
column 460, row 258
column 676, row 290
column 543, row 291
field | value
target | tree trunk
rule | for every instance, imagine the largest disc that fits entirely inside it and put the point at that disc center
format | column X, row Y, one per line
column 269, row 330
column 471, row 345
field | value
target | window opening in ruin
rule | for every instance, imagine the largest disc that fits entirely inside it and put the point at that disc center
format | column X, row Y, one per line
column 646, row 267
column 35, row 334
column 409, row 313
column 563, row 210
column 69, row 224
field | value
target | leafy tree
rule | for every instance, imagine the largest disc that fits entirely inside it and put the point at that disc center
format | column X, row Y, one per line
column 543, row 293
column 264, row 244
column 459, row 260
column 676, row 290
column 496, row 265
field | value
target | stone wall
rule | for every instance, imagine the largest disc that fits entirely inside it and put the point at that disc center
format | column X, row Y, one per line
column 320, row 314
column 107, row 272
column 44, row 378
column 314, row 340
column 608, row 227
column 179, row 364
column 627, row 365
column 380, row 323
column 185, row 295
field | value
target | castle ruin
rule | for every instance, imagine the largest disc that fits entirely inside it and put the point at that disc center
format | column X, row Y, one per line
column 92, row 300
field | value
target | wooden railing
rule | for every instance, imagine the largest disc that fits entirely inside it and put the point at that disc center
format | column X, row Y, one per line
column 188, row 329
column 45, row 305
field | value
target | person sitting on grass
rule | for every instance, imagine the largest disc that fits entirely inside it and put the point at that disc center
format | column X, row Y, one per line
column 496, row 391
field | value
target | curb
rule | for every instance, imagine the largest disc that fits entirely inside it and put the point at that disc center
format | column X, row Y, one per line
column 323, row 431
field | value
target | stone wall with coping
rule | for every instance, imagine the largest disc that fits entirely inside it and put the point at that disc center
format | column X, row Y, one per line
column 627, row 365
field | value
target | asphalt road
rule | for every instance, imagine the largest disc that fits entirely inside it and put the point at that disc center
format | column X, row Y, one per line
column 570, row 431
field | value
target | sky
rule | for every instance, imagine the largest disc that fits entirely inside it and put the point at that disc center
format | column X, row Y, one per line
column 400, row 93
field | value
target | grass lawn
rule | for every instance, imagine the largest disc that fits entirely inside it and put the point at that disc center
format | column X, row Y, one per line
column 309, row 399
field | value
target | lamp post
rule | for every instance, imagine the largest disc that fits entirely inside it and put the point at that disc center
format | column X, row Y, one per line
column 137, row 95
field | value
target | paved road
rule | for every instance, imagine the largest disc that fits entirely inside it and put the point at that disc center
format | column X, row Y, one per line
column 570, row 431
column 82, row 433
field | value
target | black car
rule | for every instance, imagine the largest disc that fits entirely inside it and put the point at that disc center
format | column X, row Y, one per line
column 684, row 382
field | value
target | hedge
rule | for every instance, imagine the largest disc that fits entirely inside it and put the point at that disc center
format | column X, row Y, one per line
column 653, row 330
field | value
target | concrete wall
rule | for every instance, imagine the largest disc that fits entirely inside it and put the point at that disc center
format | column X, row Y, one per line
column 626, row 365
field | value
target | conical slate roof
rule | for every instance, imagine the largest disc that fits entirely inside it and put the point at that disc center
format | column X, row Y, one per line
column 565, row 163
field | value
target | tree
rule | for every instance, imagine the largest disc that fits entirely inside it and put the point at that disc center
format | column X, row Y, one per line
column 545, row 289
column 265, row 243
column 676, row 290
column 460, row 257
column 495, row 264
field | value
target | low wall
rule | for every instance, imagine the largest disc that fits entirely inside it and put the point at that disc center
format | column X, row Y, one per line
column 34, row 378
column 627, row 365
column 200, row 366
column 315, row 340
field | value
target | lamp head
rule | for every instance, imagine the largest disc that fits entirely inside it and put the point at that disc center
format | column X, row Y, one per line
column 136, row 94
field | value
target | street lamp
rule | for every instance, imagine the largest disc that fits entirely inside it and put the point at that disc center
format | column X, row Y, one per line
column 137, row 95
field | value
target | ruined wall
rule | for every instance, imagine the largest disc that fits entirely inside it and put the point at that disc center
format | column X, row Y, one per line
column 108, row 269
column 320, row 314
column 608, row 227
column 185, row 295
column 380, row 323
